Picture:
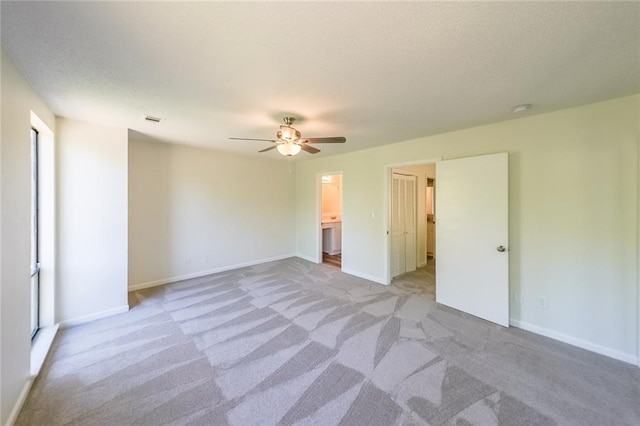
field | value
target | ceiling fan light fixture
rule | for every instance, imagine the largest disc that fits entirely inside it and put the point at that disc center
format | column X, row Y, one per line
column 289, row 148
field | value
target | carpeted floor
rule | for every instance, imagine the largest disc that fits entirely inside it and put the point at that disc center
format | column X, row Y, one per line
column 291, row 342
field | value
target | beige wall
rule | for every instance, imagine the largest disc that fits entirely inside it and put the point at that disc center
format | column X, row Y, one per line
column 18, row 100
column 92, row 220
column 194, row 211
column 573, row 216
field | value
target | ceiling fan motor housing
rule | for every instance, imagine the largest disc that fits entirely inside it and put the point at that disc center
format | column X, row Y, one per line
column 288, row 133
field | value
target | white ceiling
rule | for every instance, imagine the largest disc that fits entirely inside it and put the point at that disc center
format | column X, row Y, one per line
column 374, row 72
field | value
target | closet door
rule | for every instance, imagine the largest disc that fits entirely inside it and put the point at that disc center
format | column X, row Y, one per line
column 397, row 226
column 410, row 226
column 403, row 224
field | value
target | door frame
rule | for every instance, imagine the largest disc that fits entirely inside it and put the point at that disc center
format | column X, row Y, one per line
column 318, row 216
column 387, row 171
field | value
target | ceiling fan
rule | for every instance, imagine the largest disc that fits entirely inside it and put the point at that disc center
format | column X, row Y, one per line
column 289, row 141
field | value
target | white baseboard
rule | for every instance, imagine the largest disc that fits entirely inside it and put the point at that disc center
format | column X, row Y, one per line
column 573, row 341
column 308, row 258
column 365, row 276
column 163, row 281
column 93, row 317
column 20, row 402
column 349, row 271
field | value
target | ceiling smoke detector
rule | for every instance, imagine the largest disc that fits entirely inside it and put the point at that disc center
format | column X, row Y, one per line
column 152, row 119
column 521, row 108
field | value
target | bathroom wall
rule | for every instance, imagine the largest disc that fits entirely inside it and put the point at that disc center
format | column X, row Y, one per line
column 332, row 197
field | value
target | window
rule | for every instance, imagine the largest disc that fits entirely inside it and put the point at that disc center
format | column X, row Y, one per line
column 35, row 263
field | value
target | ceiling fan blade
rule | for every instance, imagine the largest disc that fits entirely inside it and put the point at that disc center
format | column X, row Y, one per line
column 268, row 149
column 309, row 149
column 249, row 139
column 337, row 139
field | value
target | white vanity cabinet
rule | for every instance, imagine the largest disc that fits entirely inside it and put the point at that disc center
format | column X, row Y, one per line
column 332, row 237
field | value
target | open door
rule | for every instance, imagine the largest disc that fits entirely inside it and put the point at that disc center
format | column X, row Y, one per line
column 472, row 236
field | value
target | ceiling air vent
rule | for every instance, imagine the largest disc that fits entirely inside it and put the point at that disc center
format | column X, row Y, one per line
column 152, row 119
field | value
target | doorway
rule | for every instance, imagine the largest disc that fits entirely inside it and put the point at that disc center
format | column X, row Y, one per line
column 331, row 219
column 471, row 234
column 412, row 222
column 404, row 246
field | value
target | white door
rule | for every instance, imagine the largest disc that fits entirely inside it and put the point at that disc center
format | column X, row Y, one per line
column 472, row 236
column 403, row 224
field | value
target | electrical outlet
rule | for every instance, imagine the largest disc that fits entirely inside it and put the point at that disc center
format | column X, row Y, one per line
column 187, row 260
column 516, row 297
column 542, row 303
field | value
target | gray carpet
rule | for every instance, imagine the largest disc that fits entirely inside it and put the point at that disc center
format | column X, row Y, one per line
column 294, row 343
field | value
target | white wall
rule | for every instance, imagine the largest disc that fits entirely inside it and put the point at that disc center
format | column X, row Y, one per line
column 18, row 100
column 194, row 211
column 573, row 194
column 92, row 220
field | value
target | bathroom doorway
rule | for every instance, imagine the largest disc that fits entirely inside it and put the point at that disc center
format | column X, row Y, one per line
column 331, row 219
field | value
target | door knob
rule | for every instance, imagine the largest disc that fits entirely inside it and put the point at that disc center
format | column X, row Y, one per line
column 501, row 249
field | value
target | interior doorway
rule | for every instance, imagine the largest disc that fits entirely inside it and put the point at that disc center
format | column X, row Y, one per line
column 411, row 218
column 471, row 213
column 404, row 247
column 331, row 219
